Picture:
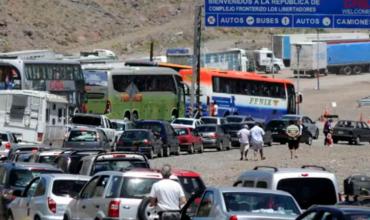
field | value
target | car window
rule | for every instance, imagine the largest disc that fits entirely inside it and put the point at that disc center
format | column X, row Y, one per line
column 67, row 188
column 328, row 216
column 117, row 165
column 206, row 204
column 261, row 184
column 20, row 178
column 103, row 136
column 191, row 185
column 248, row 183
column 114, row 187
column 82, row 136
column 100, row 187
column 2, row 176
column 310, row 191
column 30, row 190
column 90, row 187
column 364, row 125
column 181, row 131
column 309, row 216
column 4, row 137
column 136, row 187
column 41, row 187
column 206, row 129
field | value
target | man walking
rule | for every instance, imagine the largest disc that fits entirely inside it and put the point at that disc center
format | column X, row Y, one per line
column 243, row 135
column 167, row 194
column 257, row 139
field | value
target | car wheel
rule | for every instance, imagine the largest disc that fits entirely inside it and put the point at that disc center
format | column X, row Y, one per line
column 335, row 141
column 146, row 212
column 65, row 217
column 317, row 134
column 178, row 150
column 282, row 142
column 219, row 146
column 160, row 153
column 269, row 144
column 10, row 216
column 37, row 218
column 201, row 149
column 191, row 149
column 357, row 141
column 151, row 154
column 309, row 140
column 166, row 151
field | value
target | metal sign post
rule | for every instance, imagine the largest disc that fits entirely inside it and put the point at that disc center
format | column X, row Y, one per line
column 196, row 61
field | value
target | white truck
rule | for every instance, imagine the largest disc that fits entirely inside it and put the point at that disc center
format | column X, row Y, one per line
column 265, row 60
column 312, row 58
column 34, row 116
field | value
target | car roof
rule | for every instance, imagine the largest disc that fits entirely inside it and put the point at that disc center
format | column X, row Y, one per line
column 87, row 115
column 136, row 172
column 248, row 189
column 152, row 122
column 83, row 128
column 118, row 155
column 271, row 171
column 210, row 117
column 292, row 116
column 65, row 176
column 346, row 209
column 208, row 125
column 184, row 173
column 132, row 130
column 188, row 119
column 24, row 165
column 50, row 152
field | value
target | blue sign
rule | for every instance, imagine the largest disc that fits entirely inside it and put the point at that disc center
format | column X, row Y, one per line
column 288, row 13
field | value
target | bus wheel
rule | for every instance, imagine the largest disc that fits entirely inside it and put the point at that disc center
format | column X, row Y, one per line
column 127, row 115
column 174, row 114
column 347, row 70
column 357, row 70
column 135, row 116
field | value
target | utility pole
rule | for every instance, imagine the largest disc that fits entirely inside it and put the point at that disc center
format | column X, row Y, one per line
column 318, row 59
column 196, row 60
column 151, row 51
column 298, row 47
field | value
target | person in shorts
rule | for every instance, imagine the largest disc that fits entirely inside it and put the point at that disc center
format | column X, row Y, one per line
column 257, row 134
column 243, row 135
column 294, row 132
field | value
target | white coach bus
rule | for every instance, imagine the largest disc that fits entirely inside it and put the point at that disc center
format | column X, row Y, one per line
column 34, row 116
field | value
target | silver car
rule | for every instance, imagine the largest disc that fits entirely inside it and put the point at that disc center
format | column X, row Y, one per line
column 237, row 203
column 46, row 197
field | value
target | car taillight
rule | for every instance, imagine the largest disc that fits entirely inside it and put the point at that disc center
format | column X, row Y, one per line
column 40, row 136
column 8, row 194
column 52, row 205
column 146, row 141
column 113, row 210
column 8, row 146
column 213, row 135
column 233, row 217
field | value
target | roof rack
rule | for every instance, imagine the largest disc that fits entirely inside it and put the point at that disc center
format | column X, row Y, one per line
column 313, row 166
column 265, row 168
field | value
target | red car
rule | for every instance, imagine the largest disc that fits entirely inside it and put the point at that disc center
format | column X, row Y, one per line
column 189, row 140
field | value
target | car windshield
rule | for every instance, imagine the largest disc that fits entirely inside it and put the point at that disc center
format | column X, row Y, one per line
column 234, row 119
column 181, row 131
column 82, row 135
column 209, row 120
column 309, row 191
column 118, row 126
column 206, row 129
column 276, row 124
column 4, row 137
column 345, row 124
column 130, row 187
column 362, row 216
column 20, row 178
column 182, row 122
column 291, row 117
column 48, row 159
column 118, row 165
column 260, row 203
column 68, row 188
column 134, row 135
column 150, row 126
column 85, row 120
column 232, row 127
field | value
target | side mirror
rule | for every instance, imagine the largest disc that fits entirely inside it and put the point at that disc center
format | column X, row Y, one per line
column 17, row 193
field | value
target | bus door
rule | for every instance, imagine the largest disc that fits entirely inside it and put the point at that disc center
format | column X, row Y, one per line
column 96, row 87
column 291, row 99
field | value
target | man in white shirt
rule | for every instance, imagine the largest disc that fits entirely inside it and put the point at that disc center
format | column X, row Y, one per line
column 167, row 194
column 257, row 139
column 243, row 135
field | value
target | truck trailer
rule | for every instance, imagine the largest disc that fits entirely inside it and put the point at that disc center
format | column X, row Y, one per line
column 282, row 42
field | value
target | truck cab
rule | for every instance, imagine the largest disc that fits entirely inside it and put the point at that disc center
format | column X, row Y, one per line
column 266, row 61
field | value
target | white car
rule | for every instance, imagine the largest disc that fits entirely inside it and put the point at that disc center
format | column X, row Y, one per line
column 46, row 197
column 186, row 123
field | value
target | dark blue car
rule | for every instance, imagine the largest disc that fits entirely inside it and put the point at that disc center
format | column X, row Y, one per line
column 164, row 130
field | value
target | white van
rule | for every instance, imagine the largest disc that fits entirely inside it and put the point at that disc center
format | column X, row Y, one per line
column 309, row 184
column 34, row 116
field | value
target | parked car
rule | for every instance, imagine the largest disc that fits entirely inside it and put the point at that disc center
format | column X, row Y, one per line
column 48, row 156
column 112, row 195
column 213, row 120
column 213, row 136
column 7, row 141
column 336, row 212
column 86, row 138
column 15, row 177
column 233, row 128
column 354, row 132
column 142, row 141
column 117, row 161
column 46, row 197
column 241, row 203
column 238, row 118
column 186, row 122
column 165, row 131
column 120, row 126
column 277, row 127
column 308, row 124
column 189, row 140
column 307, row 184
column 70, row 160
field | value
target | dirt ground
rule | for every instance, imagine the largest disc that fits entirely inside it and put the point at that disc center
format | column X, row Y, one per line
column 222, row 168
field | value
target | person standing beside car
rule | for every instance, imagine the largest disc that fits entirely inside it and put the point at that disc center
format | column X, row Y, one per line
column 243, row 135
column 167, row 194
column 293, row 132
column 257, row 134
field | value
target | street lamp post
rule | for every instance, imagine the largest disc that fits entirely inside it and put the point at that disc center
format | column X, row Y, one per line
column 298, row 48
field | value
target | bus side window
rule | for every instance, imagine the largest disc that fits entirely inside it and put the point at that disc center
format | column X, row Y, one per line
column 60, row 114
column 47, row 115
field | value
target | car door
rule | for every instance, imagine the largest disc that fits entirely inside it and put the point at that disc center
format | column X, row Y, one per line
column 36, row 203
column 366, row 131
column 84, row 201
column 206, row 206
column 307, row 124
column 224, row 137
column 20, row 207
column 97, row 201
column 171, row 137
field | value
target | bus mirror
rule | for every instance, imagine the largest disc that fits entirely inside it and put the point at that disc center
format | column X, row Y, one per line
column 299, row 98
